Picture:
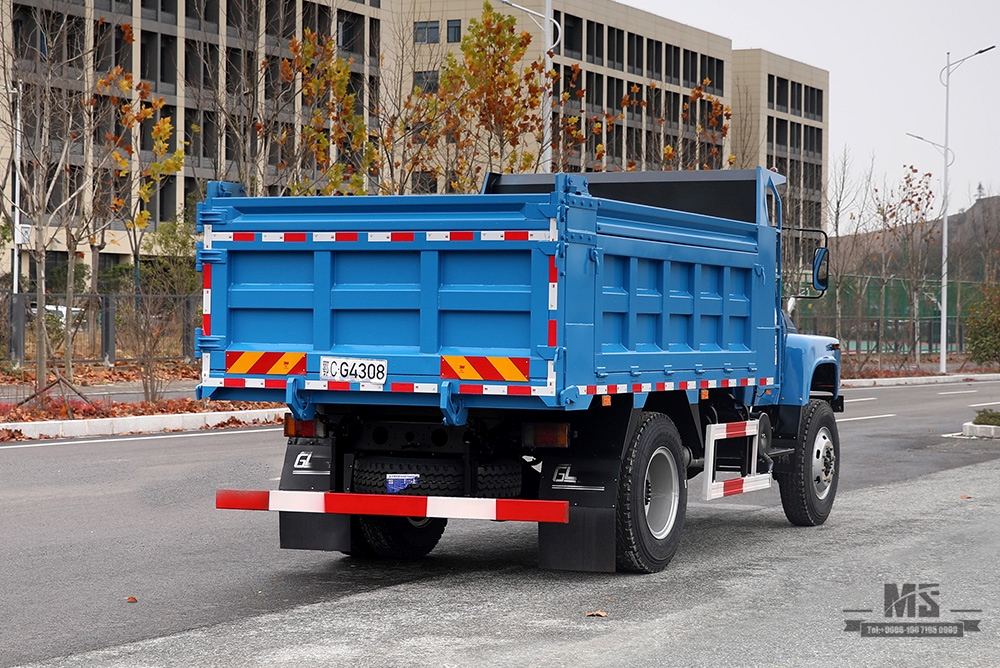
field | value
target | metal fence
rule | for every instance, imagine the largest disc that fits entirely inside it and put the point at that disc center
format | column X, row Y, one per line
column 103, row 328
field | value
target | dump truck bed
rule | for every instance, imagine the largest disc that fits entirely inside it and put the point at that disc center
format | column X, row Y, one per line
column 536, row 293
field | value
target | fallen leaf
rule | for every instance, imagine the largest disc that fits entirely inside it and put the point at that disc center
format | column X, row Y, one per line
column 597, row 613
column 131, row 599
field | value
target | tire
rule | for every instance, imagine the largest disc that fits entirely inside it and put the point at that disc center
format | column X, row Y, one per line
column 497, row 479
column 409, row 538
column 652, row 497
column 809, row 488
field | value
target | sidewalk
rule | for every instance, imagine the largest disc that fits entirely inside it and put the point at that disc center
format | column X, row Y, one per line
column 131, row 392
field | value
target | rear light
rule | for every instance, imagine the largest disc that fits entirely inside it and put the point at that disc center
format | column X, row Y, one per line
column 302, row 428
column 545, row 435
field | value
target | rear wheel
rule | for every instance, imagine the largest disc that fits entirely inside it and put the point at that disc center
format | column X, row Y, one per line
column 809, row 488
column 652, row 497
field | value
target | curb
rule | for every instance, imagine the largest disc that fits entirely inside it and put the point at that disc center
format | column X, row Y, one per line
column 139, row 423
column 919, row 380
column 980, row 430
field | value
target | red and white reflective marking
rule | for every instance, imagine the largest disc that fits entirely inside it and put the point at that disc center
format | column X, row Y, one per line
column 625, row 388
column 335, row 236
column 340, row 503
column 383, row 237
column 734, row 486
column 716, row 489
column 282, row 237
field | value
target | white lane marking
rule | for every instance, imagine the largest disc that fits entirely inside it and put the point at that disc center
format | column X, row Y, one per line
column 50, row 442
column 848, row 401
column 866, row 417
column 959, row 392
column 988, row 403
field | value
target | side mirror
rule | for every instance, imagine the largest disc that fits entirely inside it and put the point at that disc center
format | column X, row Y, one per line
column 821, row 269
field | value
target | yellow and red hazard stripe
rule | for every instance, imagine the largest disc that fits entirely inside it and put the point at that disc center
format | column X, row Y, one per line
column 258, row 363
column 469, row 367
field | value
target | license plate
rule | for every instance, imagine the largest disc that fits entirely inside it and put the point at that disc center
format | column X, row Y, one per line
column 353, row 370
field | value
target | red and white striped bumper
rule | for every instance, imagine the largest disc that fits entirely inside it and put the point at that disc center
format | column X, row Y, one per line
column 340, row 503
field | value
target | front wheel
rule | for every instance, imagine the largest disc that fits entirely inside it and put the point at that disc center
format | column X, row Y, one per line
column 809, row 487
column 652, row 496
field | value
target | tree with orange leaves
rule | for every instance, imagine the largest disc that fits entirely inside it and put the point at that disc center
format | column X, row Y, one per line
column 140, row 154
column 493, row 102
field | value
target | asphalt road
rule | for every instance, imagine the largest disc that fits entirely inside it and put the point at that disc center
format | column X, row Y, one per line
column 86, row 524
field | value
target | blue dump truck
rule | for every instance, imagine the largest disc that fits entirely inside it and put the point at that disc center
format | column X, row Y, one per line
column 564, row 349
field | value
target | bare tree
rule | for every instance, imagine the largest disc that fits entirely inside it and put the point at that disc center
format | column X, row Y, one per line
column 50, row 56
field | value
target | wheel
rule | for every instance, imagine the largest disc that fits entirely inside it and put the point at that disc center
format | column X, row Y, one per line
column 652, row 497
column 496, row 479
column 808, row 489
column 360, row 546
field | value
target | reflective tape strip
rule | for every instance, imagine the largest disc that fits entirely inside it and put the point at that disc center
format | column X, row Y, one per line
column 391, row 236
column 335, row 236
column 382, row 237
column 736, row 486
column 622, row 388
column 449, row 507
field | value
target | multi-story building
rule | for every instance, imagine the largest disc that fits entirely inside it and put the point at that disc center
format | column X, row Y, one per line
column 203, row 57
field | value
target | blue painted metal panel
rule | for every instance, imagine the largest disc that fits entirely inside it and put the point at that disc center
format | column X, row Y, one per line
column 598, row 295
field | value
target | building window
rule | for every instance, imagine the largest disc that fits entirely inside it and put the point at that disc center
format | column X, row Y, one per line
column 616, row 49
column 673, row 70
column 616, row 92
column 770, row 91
column 713, row 70
column 781, row 94
column 557, row 17
column 796, row 102
column 454, row 30
column 654, row 59
column 351, row 34
column 426, row 81
column 813, row 103
column 595, row 43
column 594, row 92
column 635, row 44
column 690, row 69
column 423, row 183
column 425, row 32
column 573, row 37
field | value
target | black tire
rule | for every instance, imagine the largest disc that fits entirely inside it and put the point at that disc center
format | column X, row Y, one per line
column 652, row 497
column 404, row 538
column 360, row 546
column 497, row 479
column 809, row 488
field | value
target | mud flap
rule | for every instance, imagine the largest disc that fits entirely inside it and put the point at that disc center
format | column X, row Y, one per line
column 308, row 469
column 587, row 543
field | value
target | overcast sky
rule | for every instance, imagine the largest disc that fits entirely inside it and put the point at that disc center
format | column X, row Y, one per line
column 884, row 57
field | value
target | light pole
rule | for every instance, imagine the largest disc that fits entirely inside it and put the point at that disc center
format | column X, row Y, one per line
column 18, row 232
column 547, row 100
column 945, row 78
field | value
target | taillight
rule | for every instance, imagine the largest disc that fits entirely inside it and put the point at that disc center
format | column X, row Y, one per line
column 302, row 428
column 545, row 435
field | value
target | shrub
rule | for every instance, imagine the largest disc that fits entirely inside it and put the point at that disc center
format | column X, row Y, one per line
column 986, row 416
column 982, row 327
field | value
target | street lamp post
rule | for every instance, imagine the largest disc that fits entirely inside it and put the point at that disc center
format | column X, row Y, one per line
column 18, row 232
column 945, row 78
column 551, row 45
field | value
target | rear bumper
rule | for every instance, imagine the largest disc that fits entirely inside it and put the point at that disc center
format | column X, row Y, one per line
column 338, row 503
